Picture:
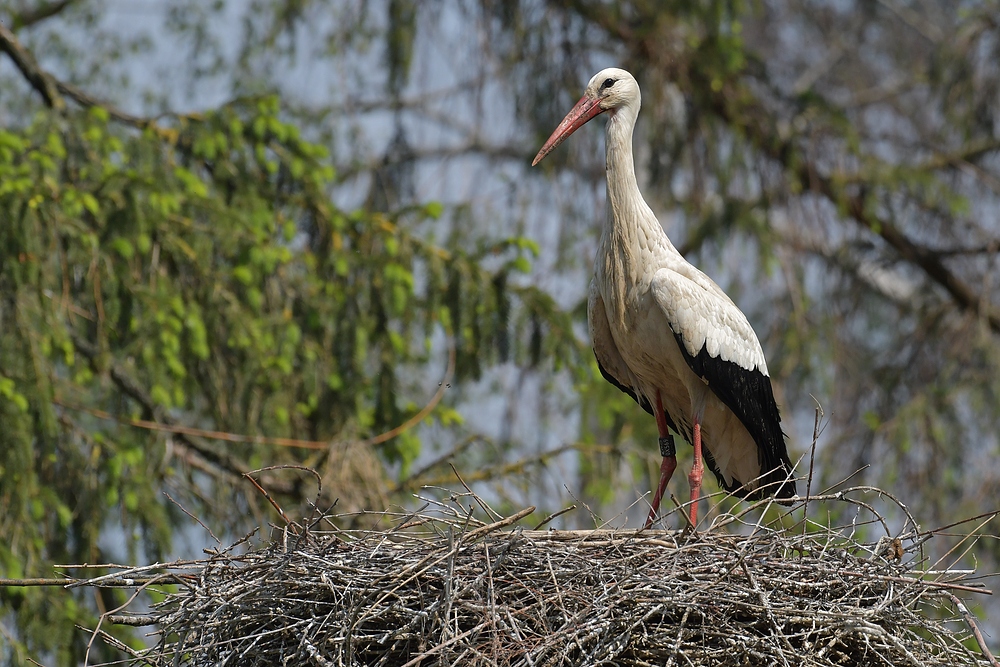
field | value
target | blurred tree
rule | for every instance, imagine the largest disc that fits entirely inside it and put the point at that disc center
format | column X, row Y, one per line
column 193, row 270
column 280, row 268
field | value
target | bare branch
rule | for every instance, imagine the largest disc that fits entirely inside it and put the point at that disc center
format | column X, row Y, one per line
column 912, row 18
column 39, row 79
column 39, row 13
column 85, row 100
column 970, row 620
column 53, row 91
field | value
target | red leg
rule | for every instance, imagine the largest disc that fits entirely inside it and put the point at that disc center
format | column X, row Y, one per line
column 697, row 469
column 667, row 465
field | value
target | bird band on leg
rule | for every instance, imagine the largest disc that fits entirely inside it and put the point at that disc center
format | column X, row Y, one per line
column 667, row 446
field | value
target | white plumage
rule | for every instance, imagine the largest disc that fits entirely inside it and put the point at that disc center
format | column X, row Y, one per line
column 666, row 334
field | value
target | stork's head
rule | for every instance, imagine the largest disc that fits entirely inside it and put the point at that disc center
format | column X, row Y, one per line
column 609, row 90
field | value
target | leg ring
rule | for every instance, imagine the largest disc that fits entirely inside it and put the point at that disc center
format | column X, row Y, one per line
column 667, row 446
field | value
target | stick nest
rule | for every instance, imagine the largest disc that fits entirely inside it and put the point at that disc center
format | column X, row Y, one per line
column 441, row 588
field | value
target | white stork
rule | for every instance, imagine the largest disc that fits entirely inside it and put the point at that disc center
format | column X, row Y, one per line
column 667, row 335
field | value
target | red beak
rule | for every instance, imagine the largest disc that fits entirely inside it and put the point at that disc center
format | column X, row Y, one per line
column 585, row 110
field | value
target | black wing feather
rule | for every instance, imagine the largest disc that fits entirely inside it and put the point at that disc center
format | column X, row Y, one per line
column 736, row 489
column 748, row 394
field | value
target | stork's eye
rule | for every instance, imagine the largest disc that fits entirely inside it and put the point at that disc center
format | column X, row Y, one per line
column 607, row 83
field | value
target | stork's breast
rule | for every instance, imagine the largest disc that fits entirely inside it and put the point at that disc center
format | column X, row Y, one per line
column 648, row 345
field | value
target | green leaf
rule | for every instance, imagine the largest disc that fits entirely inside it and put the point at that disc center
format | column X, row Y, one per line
column 521, row 264
column 243, row 274
column 433, row 209
column 123, row 247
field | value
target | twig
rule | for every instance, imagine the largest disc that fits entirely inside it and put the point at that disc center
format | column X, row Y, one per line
column 102, row 582
column 200, row 522
column 503, row 523
column 970, row 620
column 554, row 515
column 274, row 504
column 490, row 512
column 165, row 425
column 427, row 409
column 812, row 463
column 38, row 13
column 135, row 621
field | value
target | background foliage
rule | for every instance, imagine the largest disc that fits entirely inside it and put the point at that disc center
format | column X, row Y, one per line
column 276, row 218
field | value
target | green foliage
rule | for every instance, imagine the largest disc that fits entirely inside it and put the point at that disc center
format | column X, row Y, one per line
column 200, row 269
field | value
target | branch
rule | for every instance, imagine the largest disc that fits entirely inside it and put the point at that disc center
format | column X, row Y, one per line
column 808, row 173
column 53, row 90
column 85, row 100
column 970, row 620
column 30, row 17
column 925, row 258
column 167, row 425
column 969, row 153
column 134, row 390
column 39, row 79
column 912, row 18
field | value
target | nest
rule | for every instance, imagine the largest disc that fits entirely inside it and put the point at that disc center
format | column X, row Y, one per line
column 442, row 588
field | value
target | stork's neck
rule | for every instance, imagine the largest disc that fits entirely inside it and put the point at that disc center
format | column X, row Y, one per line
column 622, row 187
column 630, row 222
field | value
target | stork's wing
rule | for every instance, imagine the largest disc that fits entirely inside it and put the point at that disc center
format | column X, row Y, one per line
column 609, row 359
column 721, row 347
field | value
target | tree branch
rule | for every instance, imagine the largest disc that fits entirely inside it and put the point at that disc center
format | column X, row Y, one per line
column 53, row 90
column 970, row 620
column 927, row 259
column 41, row 12
column 134, row 390
column 85, row 100
column 39, row 79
